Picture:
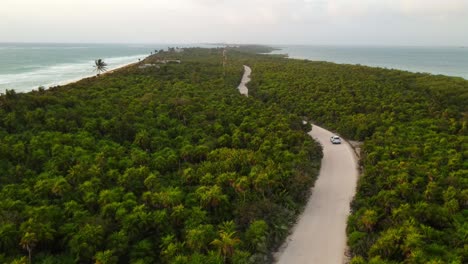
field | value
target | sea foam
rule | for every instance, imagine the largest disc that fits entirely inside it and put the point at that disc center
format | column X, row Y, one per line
column 59, row 74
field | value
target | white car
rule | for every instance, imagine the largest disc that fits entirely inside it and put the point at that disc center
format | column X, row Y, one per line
column 335, row 140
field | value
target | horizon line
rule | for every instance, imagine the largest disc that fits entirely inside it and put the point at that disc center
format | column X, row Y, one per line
column 241, row 44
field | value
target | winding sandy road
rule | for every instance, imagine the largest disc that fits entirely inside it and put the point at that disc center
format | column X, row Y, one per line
column 245, row 79
column 319, row 236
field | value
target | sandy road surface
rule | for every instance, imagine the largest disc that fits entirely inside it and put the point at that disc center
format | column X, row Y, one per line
column 319, row 236
column 245, row 79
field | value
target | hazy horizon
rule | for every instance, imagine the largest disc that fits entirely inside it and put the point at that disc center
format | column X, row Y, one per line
column 221, row 43
column 273, row 22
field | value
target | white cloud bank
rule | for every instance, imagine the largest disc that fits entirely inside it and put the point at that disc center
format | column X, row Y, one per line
column 401, row 22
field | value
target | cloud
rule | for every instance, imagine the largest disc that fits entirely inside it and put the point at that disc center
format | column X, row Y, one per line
column 433, row 7
column 300, row 21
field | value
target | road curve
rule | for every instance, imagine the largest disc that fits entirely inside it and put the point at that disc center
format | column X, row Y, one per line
column 245, row 79
column 319, row 236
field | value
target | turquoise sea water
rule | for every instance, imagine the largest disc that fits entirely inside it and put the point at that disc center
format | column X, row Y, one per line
column 24, row 67
column 451, row 61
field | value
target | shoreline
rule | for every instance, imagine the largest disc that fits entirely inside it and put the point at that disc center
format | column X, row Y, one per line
column 78, row 79
column 110, row 71
column 113, row 70
column 283, row 53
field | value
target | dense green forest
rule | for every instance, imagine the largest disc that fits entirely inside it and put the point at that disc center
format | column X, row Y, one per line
column 167, row 163
column 412, row 199
column 163, row 163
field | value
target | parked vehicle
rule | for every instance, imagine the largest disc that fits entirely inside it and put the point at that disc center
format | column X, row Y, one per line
column 335, row 140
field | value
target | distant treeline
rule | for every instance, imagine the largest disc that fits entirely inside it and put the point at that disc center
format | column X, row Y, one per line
column 251, row 48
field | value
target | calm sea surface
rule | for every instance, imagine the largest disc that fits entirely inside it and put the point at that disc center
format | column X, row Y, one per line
column 24, row 67
column 451, row 61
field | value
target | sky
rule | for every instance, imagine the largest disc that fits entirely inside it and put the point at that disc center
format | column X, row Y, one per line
column 309, row 22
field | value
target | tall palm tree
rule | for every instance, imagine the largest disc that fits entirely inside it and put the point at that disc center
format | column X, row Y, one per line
column 28, row 242
column 100, row 66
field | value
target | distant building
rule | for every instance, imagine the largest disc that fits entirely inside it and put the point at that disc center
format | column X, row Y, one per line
column 167, row 61
column 148, row 66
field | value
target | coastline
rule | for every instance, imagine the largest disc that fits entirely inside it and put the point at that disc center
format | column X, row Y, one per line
column 113, row 70
column 407, row 59
column 90, row 74
column 110, row 71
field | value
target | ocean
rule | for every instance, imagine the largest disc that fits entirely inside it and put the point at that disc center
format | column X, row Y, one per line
column 451, row 61
column 26, row 66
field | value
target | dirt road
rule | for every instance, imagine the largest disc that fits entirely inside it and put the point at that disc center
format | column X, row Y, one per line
column 245, row 79
column 319, row 236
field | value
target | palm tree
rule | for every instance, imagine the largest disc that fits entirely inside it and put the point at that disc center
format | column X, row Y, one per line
column 225, row 244
column 28, row 242
column 100, row 66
